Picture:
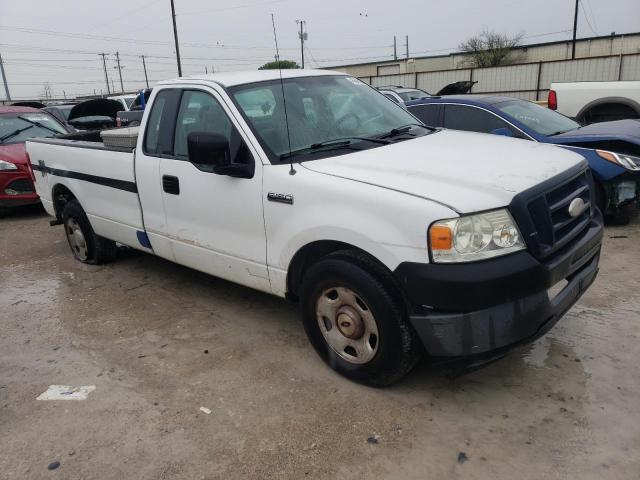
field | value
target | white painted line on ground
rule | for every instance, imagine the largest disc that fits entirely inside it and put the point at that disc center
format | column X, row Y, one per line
column 65, row 392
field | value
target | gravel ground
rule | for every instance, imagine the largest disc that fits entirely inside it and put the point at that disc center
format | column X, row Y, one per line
column 159, row 341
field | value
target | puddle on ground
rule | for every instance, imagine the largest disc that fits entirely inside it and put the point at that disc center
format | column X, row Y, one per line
column 538, row 353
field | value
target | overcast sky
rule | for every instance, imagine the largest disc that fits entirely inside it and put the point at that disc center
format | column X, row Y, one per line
column 58, row 41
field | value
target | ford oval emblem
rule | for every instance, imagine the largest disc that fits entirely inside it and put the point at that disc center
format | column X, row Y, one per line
column 576, row 207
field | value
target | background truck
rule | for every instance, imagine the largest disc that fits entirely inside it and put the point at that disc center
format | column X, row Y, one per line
column 394, row 238
column 592, row 102
column 132, row 116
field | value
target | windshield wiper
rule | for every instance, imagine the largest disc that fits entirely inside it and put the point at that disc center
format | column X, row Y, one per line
column 331, row 144
column 14, row 133
column 560, row 132
column 394, row 132
column 41, row 125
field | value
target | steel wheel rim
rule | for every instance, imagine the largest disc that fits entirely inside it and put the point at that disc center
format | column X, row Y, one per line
column 347, row 325
column 76, row 239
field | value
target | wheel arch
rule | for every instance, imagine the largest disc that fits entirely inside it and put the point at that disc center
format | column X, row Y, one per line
column 61, row 194
column 310, row 253
column 627, row 102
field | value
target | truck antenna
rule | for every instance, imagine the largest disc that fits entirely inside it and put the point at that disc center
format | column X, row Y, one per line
column 284, row 101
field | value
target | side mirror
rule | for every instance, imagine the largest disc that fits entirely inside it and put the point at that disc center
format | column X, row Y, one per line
column 504, row 131
column 208, row 149
column 211, row 151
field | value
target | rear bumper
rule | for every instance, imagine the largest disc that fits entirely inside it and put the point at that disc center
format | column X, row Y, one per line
column 478, row 308
column 16, row 188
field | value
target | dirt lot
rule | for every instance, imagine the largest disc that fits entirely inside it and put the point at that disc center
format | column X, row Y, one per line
column 160, row 341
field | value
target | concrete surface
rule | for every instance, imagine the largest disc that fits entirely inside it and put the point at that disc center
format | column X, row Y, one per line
column 160, row 341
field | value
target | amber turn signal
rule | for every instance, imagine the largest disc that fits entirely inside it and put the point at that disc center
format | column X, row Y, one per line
column 441, row 237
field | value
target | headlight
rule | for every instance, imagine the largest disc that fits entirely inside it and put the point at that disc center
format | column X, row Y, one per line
column 627, row 161
column 474, row 237
column 7, row 166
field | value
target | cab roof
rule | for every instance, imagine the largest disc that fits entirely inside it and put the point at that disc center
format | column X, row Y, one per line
column 231, row 79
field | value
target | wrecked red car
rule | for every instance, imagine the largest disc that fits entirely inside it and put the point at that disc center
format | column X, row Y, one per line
column 17, row 124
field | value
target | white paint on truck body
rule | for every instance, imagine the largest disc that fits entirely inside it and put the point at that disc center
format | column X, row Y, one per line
column 575, row 97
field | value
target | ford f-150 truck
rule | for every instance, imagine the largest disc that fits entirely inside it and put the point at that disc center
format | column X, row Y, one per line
column 395, row 238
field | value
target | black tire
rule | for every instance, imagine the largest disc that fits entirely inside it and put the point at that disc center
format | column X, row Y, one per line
column 398, row 347
column 621, row 216
column 601, row 198
column 99, row 250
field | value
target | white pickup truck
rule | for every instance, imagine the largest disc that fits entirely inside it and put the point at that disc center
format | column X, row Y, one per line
column 396, row 239
column 592, row 102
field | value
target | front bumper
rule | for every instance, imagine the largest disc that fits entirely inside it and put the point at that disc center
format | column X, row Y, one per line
column 477, row 308
column 16, row 188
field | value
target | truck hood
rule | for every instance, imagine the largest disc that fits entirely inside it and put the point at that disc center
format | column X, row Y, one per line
column 14, row 153
column 464, row 171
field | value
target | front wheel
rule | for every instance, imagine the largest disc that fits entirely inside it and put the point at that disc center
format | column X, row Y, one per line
column 85, row 245
column 356, row 322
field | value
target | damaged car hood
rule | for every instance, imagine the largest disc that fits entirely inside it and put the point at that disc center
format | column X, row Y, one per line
column 98, row 107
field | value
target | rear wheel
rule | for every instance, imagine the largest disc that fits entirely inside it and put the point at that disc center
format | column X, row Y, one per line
column 355, row 321
column 85, row 245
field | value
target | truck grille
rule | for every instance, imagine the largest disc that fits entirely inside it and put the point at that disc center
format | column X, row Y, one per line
column 544, row 218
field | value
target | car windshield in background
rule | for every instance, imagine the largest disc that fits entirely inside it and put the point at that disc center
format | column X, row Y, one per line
column 19, row 127
column 325, row 113
column 409, row 95
column 65, row 110
column 537, row 118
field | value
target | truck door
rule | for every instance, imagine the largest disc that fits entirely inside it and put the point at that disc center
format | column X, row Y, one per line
column 215, row 223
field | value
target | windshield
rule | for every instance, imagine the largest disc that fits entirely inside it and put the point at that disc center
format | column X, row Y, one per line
column 65, row 111
column 129, row 100
column 409, row 95
column 537, row 118
column 19, row 127
column 320, row 109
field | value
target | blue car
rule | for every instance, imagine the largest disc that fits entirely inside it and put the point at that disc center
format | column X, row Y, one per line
column 611, row 148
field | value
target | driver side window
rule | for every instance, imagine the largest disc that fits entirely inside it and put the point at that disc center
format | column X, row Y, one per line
column 199, row 112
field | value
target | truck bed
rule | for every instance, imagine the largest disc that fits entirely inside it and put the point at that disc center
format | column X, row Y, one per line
column 103, row 177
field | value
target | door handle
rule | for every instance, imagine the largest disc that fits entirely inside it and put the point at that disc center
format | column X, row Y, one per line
column 171, row 184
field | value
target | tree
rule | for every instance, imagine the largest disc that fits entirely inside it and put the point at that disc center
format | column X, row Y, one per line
column 46, row 92
column 490, row 49
column 282, row 64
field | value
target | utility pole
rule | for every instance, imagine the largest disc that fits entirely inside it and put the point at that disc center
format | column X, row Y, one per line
column 303, row 36
column 106, row 76
column 575, row 29
column 119, row 71
column 395, row 48
column 144, row 65
column 407, row 45
column 205, row 69
column 4, row 80
column 175, row 37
